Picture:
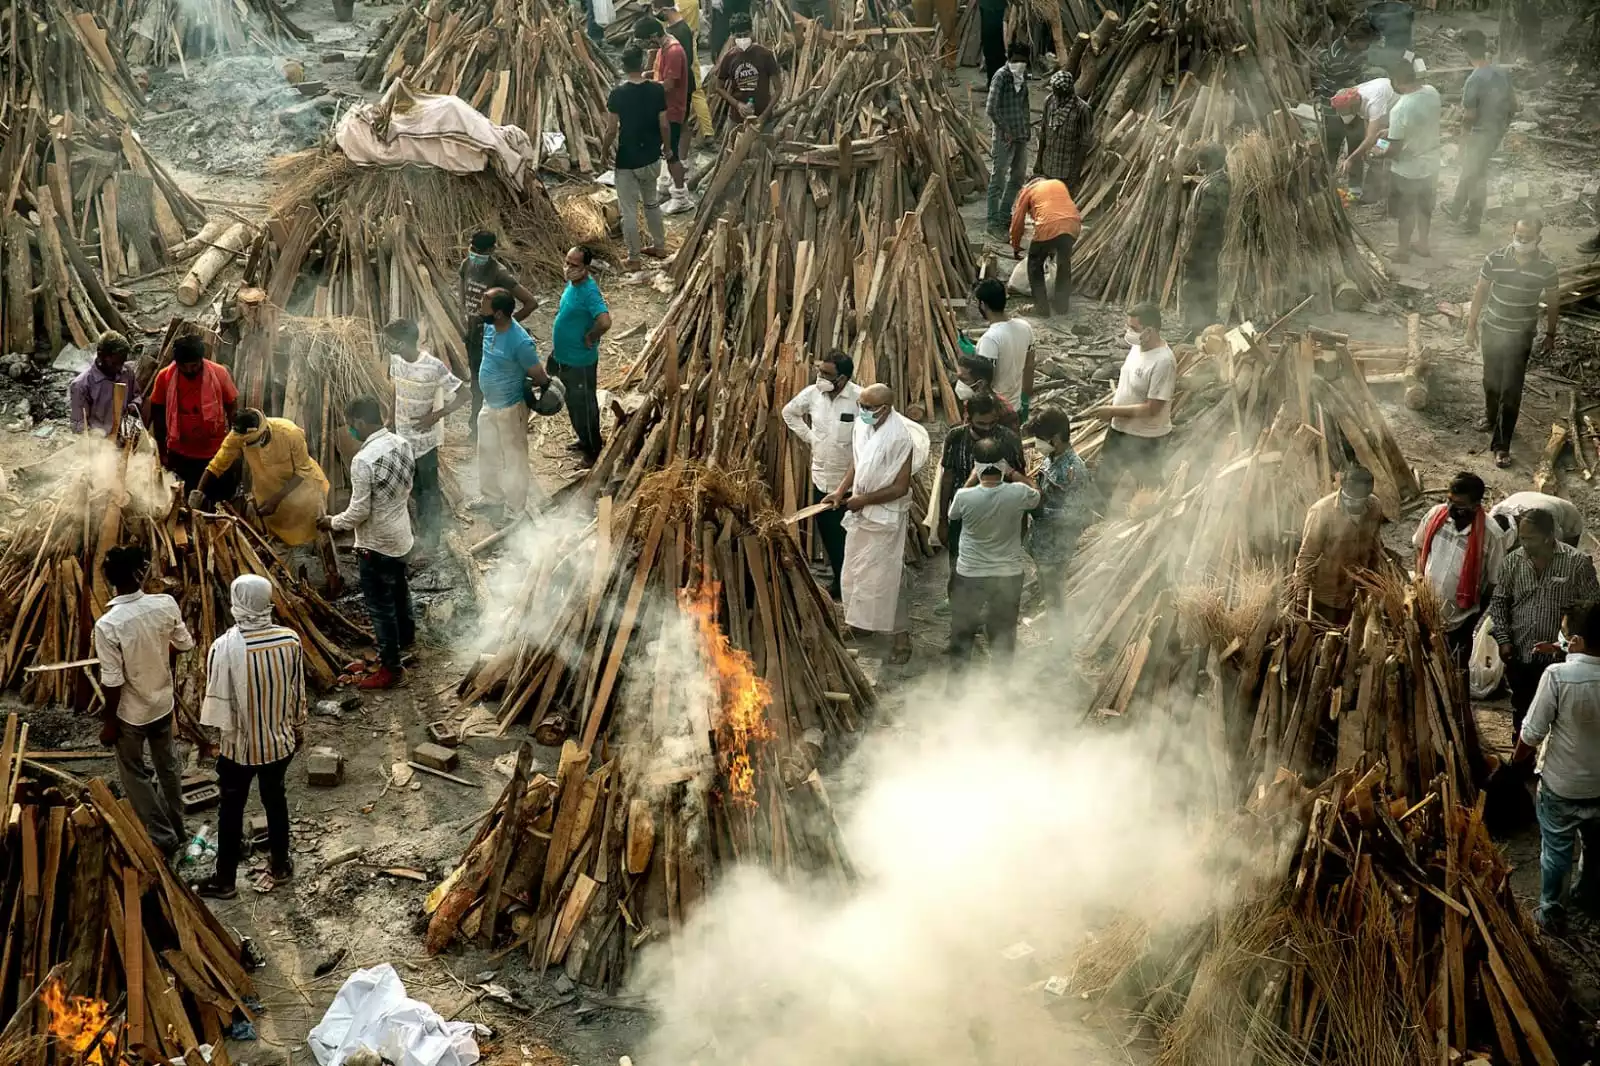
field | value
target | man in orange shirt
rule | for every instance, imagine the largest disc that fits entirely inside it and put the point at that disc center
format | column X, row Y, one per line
column 1056, row 225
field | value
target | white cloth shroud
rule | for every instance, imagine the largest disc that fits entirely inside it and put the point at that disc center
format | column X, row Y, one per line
column 372, row 1010
column 431, row 130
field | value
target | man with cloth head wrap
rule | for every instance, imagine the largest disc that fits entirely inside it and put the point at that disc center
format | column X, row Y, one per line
column 289, row 489
column 1066, row 133
column 256, row 703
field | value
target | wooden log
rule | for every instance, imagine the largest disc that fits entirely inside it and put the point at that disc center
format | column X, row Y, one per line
column 1544, row 476
column 209, row 265
column 1416, row 365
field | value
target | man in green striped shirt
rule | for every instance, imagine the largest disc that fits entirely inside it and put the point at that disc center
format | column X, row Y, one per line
column 1502, row 321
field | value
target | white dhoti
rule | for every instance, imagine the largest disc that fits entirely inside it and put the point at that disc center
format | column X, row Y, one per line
column 874, row 562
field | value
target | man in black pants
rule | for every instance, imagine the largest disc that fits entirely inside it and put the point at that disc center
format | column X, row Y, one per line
column 992, row 34
column 989, row 569
column 582, row 319
column 823, row 414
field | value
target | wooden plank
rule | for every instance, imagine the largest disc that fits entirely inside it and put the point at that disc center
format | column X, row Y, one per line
column 133, row 948
column 1543, row 1053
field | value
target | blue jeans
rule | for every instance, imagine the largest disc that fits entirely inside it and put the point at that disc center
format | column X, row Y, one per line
column 1562, row 822
column 1005, row 178
column 388, row 596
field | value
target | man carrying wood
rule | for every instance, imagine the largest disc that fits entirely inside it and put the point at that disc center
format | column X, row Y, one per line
column 1343, row 534
column 960, row 446
column 582, row 319
column 137, row 642
column 876, row 490
column 1540, row 581
column 1140, row 412
column 1459, row 555
column 92, row 394
column 479, row 272
column 192, row 406
column 380, row 492
column 1066, row 132
column 426, row 392
column 1011, row 123
column 1501, row 321
column 510, row 358
column 1056, row 225
column 989, row 570
column 1565, row 718
column 823, row 414
column 256, row 701
column 1205, row 231
column 287, row 486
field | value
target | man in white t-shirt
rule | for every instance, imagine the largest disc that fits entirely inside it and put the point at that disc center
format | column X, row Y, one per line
column 425, row 392
column 1140, row 411
column 1413, row 154
column 1008, row 343
column 1368, row 103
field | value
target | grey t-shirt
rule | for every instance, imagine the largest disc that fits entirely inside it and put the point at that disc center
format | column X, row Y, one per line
column 1488, row 90
column 991, row 528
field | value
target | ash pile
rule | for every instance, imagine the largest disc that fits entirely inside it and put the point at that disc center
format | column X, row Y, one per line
column 234, row 115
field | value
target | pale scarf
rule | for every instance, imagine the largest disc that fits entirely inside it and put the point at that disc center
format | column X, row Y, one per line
column 228, row 672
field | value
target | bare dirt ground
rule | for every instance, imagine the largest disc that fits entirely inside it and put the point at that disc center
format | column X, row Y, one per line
column 368, row 851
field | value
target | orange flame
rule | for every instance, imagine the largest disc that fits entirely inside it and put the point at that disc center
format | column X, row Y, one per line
column 743, row 696
column 76, row 1020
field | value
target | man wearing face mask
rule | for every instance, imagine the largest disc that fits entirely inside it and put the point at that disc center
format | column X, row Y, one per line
column 1066, row 506
column 510, row 358
column 987, row 592
column 1540, row 581
column 1011, row 122
column 975, row 376
column 380, row 490
column 748, row 77
column 581, row 321
column 823, row 414
column 1140, row 411
column 1459, row 555
column 288, row 488
column 983, row 424
column 1205, row 228
column 1502, row 320
column 876, row 490
column 1343, row 534
column 479, row 272
column 1066, row 132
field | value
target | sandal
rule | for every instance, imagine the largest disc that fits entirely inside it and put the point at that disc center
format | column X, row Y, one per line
column 1502, row 459
column 211, row 888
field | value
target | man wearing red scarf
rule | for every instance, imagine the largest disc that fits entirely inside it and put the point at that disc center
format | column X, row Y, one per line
column 1459, row 555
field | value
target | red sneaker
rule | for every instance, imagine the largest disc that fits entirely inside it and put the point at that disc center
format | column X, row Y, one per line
column 384, row 678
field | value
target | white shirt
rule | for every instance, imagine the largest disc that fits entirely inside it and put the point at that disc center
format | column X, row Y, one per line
column 1569, row 520
column 1566, row 709
column 134, row 640
column 420, row 388
column 828, row 431
column 380, row 489
column 1007, row 344
column 1377, row 98
column 1445, row 556
column 1151, row 375
column 879, row 452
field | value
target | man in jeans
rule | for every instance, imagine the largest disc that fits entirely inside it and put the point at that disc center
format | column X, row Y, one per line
column 1565, row 717
column 380, row 490
column 582, row 319
column 639, row 129
column 989, row 564
column 1487, row 103
column 1011, row 120
column 137, row 640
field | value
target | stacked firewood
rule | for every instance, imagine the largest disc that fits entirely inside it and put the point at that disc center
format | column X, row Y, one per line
column 523, row 63
column 161, row 32
column 87, row 205
column 106, row 953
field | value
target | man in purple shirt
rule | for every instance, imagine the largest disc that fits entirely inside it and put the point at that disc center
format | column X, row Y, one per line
column 92, row 392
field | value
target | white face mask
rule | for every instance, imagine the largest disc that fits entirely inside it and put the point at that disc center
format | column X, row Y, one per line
column 1018, row 69
column 1130, row 337
column 823, row 384
column 741, row 43
column 1522, row 247
column 1044, row 448
column 965, row 391
column 1002, row 466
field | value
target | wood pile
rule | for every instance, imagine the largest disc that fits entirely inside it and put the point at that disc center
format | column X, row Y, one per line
column 86, row 206
column 525, row 63
column 864, row 127
column 377, row 243
column 106, row 953
column 54, row 589
column 162, row 32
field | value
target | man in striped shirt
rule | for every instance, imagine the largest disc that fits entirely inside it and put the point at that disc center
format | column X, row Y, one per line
column 256, row 700
column 1539, row 582
column 1502, row 321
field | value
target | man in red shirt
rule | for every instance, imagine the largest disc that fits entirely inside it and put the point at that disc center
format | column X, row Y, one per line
column 672, row 71
column 192, row 404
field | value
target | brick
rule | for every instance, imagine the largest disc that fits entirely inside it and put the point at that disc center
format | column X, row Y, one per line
column 255, row 829
column 444, row 734
column 435, row 756
column 200, row 797
column 325, row 767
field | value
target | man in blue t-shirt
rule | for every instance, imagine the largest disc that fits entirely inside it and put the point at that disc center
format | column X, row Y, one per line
column 581, row 320
column 509, row 358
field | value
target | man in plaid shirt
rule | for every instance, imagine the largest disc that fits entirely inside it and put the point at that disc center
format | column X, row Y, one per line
column 1066, row 131
column 1011, row 120
column 380, row 489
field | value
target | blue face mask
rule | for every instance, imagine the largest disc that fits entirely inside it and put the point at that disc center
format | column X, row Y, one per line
column 477, row 259
column 353, row 432
column 869, row 417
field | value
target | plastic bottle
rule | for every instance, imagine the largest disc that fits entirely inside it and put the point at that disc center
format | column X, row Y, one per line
column 203, row 845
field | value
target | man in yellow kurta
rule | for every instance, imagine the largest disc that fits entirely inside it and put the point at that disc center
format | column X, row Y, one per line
column 287, row 486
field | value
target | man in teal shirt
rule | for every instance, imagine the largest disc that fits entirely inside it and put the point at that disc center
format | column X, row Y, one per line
column 509, row 359
column 581, row 320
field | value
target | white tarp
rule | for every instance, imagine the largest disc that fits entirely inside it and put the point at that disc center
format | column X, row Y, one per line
column 437, row 131
column 373, row 1011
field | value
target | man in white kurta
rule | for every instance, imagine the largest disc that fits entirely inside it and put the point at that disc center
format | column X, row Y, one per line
column 876, row 490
